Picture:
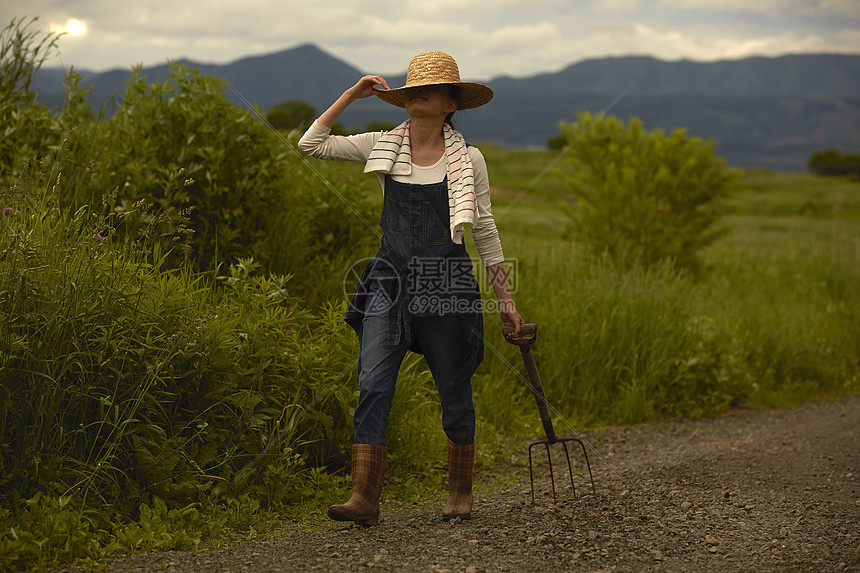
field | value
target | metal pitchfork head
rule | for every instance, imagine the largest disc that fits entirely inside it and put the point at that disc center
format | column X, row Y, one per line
column 527, row 335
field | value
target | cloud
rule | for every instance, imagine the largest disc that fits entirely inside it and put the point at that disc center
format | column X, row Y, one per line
column 771, row 7
column 850, row 8
column 488, row 38
column 668, row 44
column 612, row 6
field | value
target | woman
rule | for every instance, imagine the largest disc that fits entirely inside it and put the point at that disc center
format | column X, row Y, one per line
column 419, row 293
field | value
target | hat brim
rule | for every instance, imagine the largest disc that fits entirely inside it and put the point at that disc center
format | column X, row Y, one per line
column 472, row 95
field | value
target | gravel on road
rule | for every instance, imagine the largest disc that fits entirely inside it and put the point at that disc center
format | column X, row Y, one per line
column 763, row 490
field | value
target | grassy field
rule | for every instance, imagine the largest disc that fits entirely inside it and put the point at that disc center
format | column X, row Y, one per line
column 138, row 398
column 770, row 322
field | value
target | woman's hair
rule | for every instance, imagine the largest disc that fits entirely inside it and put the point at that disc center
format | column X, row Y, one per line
column 454, row 92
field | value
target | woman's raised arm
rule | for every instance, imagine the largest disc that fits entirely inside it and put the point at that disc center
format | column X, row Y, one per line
column 362, row 89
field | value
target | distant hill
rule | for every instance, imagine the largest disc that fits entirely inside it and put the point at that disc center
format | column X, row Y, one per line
column 304, row 73
column 797, row 75
column 764, row 112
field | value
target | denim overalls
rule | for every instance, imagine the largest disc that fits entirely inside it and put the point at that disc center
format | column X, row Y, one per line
column 419, row 294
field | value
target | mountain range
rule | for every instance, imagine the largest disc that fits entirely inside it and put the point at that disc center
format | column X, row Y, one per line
column 762, row 112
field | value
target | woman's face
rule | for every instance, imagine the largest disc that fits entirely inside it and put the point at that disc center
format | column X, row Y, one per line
column 429, row 101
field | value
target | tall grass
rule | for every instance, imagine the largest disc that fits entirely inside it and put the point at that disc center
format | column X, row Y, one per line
column 771, row 322
column 128, row 384
column 144, row 406
column 792, row 308
column 612, row 346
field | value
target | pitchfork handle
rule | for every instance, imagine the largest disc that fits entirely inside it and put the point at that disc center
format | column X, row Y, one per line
column 537, row 390
column 528, row 334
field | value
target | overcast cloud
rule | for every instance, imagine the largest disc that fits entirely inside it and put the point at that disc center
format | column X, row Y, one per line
column 487, row 38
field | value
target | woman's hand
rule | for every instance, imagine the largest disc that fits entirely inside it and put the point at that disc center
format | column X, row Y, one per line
column 511, row 317
column 364, row 87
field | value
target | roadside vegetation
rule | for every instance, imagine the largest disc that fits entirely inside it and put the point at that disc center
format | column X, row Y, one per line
column 174, row 368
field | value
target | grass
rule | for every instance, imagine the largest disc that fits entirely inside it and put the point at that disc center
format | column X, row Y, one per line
column 135, row 396
column 770, row 323
column 132, row 392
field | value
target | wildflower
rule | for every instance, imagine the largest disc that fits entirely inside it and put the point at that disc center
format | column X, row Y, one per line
column 98, row 237
column 7, row 210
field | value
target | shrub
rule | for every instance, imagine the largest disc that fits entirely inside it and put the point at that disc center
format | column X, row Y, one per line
column 180, row 144
column 232, row 187
column 27, row 128
column 123, row 380
column 831, row 162
column 644, row 197
column 291, row 114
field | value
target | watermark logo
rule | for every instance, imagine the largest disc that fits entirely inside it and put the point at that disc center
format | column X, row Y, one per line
column 455, row 275
column 382, row 295
column 432, row 285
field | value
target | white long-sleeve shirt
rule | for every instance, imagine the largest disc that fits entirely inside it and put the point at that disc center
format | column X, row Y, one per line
column 318, row 142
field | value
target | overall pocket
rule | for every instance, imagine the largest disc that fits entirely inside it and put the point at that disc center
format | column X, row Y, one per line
column 433, row 230
column 397, row 217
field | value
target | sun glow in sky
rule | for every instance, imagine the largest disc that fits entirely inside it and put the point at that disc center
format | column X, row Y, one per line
column 72, row 27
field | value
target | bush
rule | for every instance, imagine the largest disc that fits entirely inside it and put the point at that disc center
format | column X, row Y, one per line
column 644, row 197
column 830, row 162
column 233, row 186
column 291, row 114
column 27, row 128
column 123, row 380
column 230, row 186
column 180, row 144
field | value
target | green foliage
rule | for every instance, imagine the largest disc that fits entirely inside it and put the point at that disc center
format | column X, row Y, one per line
column 224, row 184
column 180, row 145
column 228, row 187
column 291, row 114
column 27, row 128
column 772, row 323
column 614, row 346
column 644, row 197
column 123, row 380
column 48, row 530
column 831, row 162
column 22, row 52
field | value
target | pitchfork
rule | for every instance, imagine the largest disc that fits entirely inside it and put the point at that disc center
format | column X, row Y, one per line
column 527, row 335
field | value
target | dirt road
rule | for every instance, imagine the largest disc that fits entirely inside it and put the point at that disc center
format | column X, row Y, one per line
column 752, row 490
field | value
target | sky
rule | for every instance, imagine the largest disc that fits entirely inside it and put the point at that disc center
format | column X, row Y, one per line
column 487, row 38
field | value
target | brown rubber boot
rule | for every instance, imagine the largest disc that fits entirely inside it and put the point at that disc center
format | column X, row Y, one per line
column 460, row 462
column 368, row 471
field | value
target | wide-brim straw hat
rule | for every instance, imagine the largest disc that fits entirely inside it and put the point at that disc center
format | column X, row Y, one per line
column 437, row 68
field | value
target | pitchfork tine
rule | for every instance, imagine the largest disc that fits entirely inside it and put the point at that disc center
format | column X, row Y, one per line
column 563, row 442
column 569, row 470
column 526, row 336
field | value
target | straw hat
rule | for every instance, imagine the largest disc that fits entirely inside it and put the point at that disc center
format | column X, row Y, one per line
column 435, row 68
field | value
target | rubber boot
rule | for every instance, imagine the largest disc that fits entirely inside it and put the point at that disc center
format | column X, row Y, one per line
column 460, row 462
column 368, row 471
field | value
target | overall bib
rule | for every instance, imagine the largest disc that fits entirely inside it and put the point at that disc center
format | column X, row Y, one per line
column 419, row 294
